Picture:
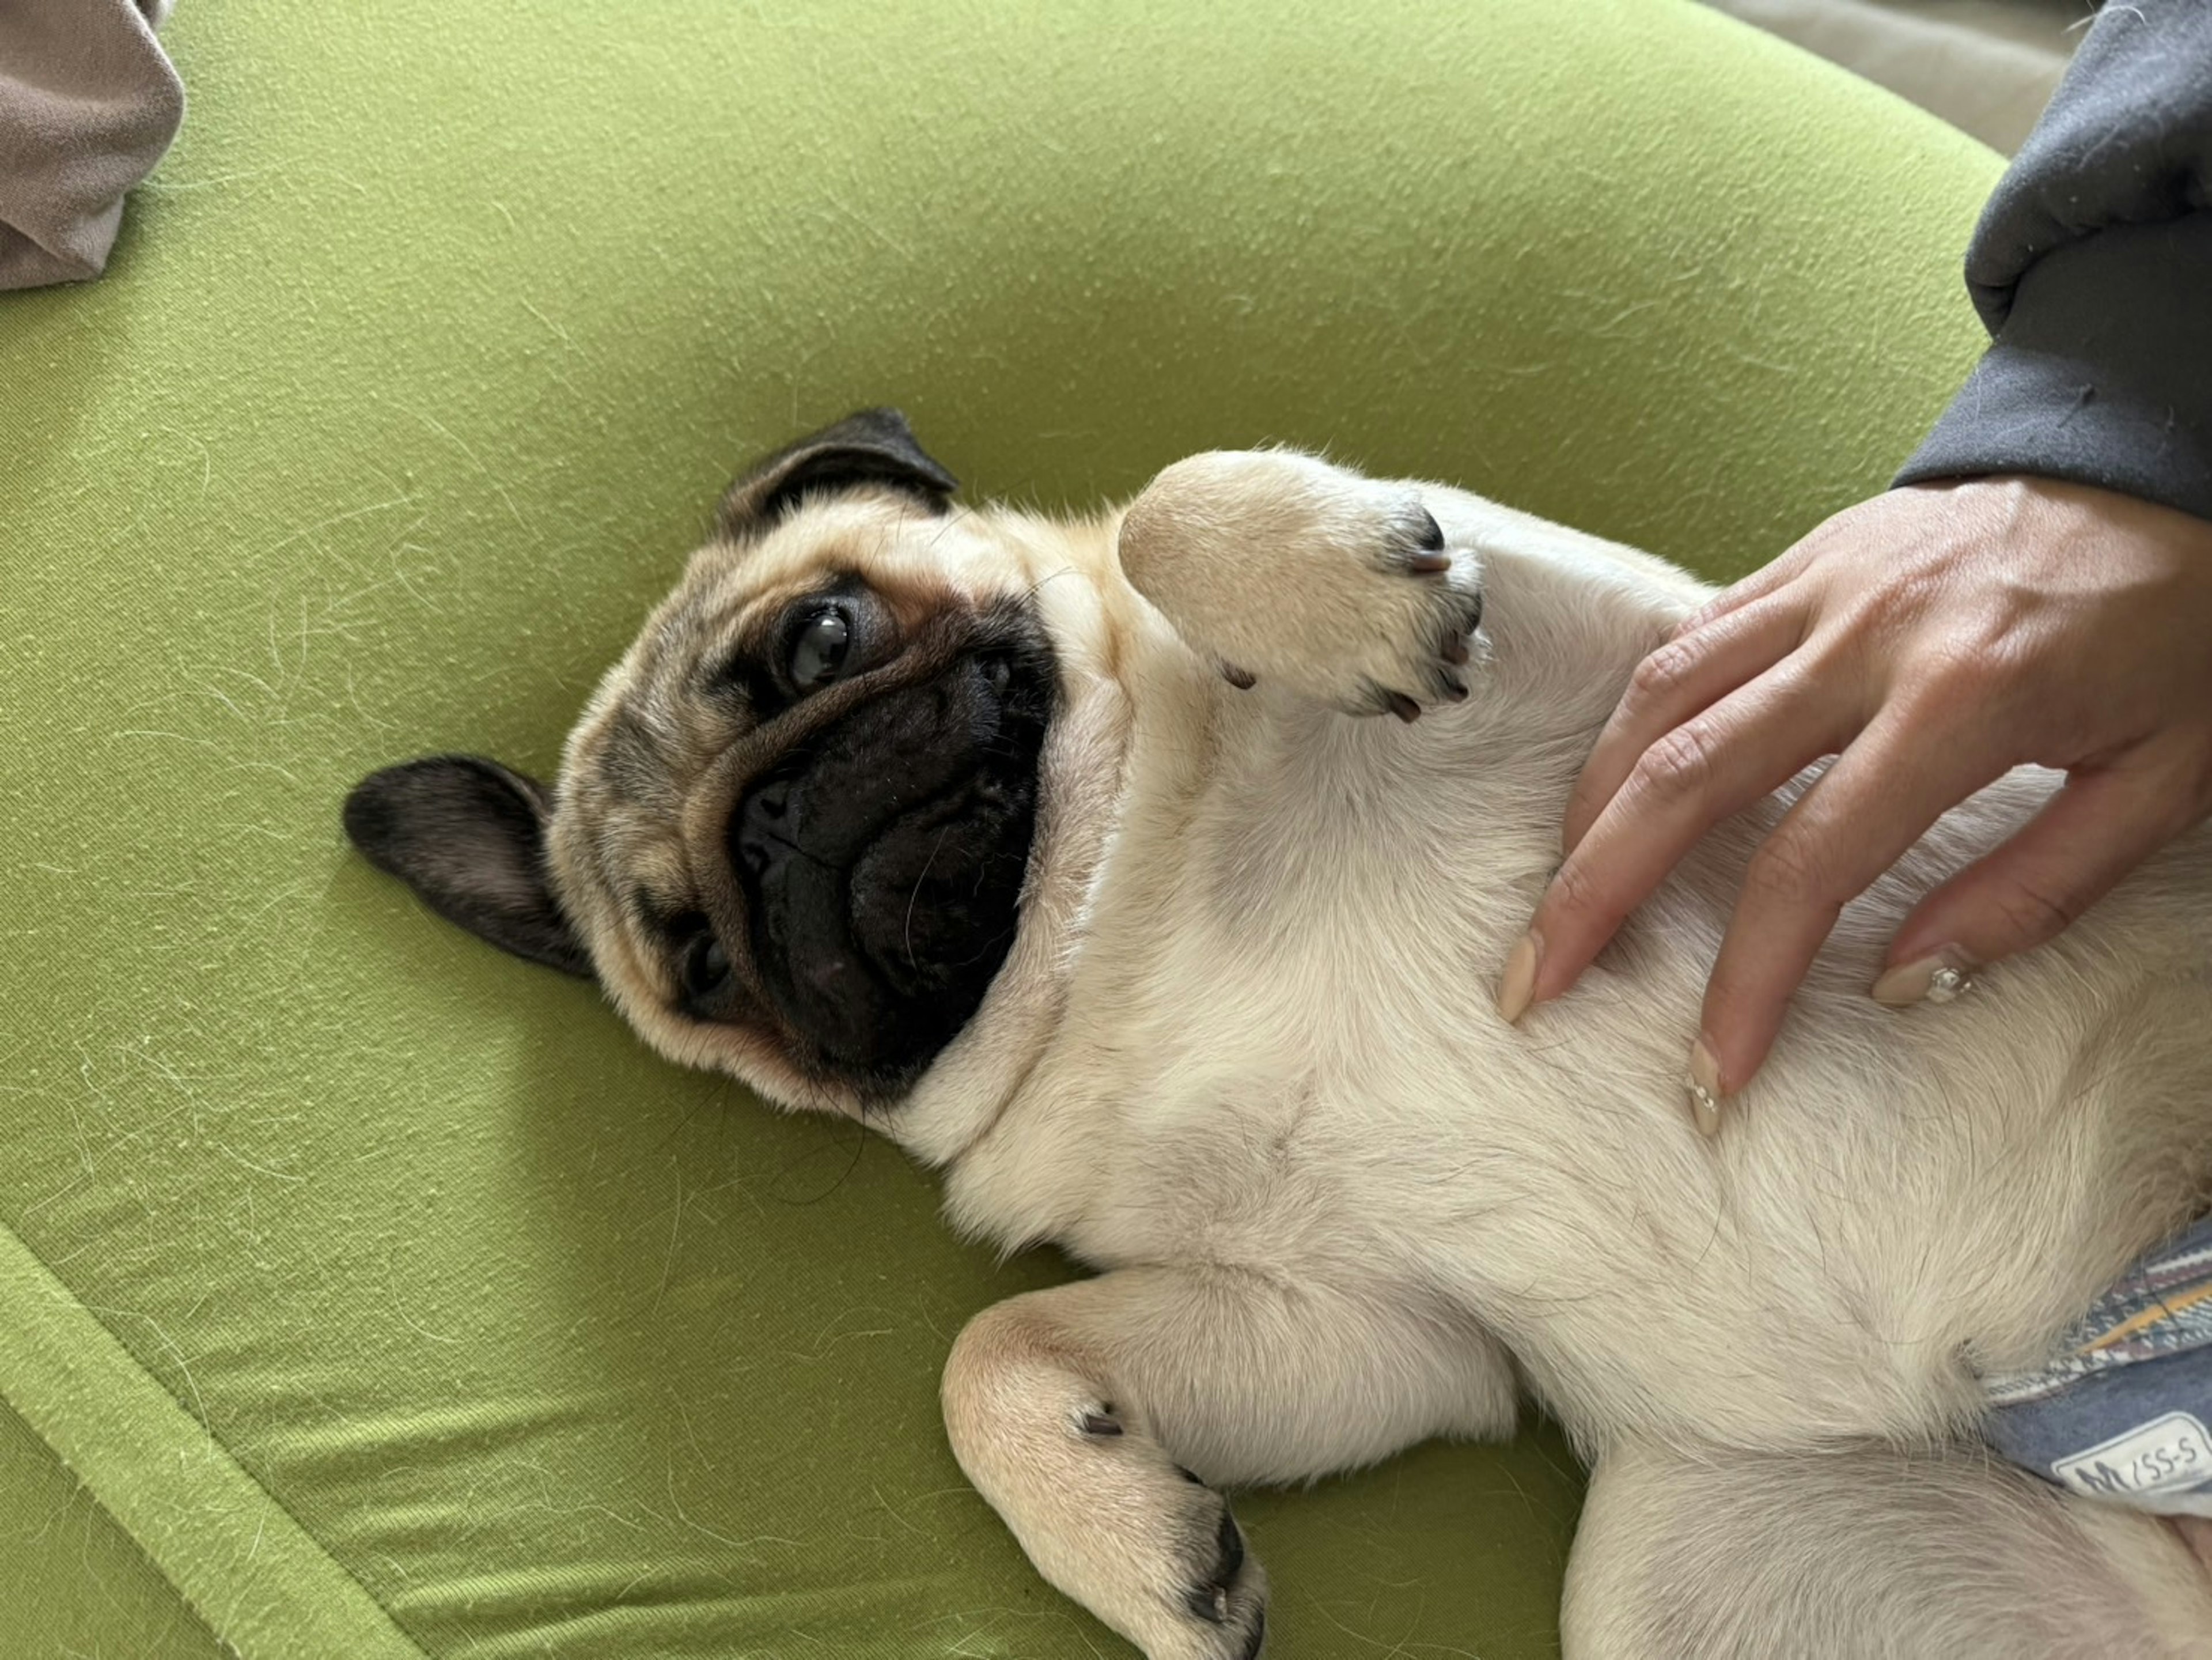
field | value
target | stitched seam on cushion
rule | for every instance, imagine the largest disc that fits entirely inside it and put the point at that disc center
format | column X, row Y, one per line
column 99, row 1503
column 10, row 1239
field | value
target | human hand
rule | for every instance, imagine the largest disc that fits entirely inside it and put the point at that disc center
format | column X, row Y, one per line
column 1931, row 639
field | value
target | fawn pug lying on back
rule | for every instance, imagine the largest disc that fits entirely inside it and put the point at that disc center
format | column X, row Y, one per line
column 1056, row 851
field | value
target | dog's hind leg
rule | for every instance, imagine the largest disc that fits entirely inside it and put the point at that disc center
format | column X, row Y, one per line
column 1869, row 1553
column 1074, row 1410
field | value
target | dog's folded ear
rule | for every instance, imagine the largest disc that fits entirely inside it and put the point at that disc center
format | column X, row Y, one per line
column 874, row 448
column 469, row 836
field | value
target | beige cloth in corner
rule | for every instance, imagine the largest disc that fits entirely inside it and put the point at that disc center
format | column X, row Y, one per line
column 88, row 102
column 1988, row 67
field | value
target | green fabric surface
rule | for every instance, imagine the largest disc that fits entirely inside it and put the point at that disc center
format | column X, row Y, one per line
column 72, row 1580
column 383, row 1295
column 167, row 1481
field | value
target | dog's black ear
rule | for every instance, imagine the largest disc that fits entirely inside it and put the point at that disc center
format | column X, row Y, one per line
column 872, row 447
column 469, row 836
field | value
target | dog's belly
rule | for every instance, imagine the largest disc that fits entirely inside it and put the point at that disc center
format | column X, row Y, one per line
column 1297, row 1070
column 1900, row 1202
column 1812, row 1276
column 1635, row 1292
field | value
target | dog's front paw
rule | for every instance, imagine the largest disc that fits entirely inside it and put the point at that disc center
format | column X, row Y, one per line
column 1161, row 1559
column 1420, row 619
column 1286, row 570
column 1110, row 1518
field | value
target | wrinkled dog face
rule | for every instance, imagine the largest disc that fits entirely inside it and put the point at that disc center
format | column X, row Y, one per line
column 791, row 831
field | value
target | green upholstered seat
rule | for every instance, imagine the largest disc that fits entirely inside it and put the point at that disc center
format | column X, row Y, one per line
column 364, row 1293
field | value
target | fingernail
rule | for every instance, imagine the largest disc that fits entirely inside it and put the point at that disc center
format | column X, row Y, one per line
column 1935, row 978
column 1520, row 982
column 1705, row 1094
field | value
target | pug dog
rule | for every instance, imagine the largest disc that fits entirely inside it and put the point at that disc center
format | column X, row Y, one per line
column 1065, row 853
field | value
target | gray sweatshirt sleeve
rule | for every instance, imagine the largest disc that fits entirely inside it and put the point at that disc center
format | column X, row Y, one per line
column 2092, row 267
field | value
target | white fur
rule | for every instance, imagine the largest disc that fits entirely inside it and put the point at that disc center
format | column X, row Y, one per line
column 1243, row 1058
column 1260, row 1082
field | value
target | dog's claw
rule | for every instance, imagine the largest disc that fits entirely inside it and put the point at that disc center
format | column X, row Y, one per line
column 1231, row 1538
column 1210, row 1602
column 1402, row 706
column 1242, row 679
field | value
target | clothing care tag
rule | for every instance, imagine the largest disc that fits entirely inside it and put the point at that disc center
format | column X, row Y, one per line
column 2121, row 1412
column 2168, row 1453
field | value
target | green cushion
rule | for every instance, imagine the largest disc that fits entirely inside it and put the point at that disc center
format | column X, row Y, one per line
column 364, row 1293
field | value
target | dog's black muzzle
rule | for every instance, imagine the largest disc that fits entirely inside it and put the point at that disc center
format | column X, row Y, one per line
column 883, row 862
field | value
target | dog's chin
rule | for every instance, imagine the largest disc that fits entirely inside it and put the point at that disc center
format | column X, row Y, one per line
column 882, row 864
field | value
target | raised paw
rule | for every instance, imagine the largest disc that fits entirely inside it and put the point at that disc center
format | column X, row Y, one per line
column 1412, row 544
column 1286, row 570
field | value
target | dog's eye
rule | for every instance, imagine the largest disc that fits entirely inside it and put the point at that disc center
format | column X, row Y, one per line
column 706, row 970
column 819, row 652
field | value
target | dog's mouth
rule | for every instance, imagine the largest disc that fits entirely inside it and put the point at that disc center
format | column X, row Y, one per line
column 883, row 863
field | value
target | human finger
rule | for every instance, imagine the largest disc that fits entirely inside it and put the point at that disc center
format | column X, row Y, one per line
column 2085, row 841
column 1712, row 765
column 1854, row 822
column 1682, row 678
